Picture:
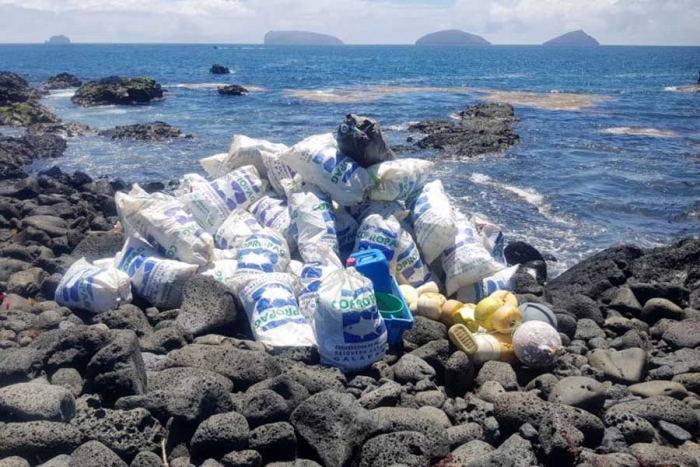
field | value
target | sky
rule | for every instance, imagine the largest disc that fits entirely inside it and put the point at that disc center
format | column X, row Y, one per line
column 628, row 22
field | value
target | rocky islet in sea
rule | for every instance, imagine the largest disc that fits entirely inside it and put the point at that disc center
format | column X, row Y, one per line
column 120, row 388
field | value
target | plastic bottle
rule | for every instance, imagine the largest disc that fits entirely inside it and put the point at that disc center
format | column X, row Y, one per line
column 483, row 347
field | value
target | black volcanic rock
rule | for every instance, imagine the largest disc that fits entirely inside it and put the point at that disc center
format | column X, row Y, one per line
column 17, row 152
column 63, row 81
column 232, row 90
column 58, row 40
column 578, row 38
column 300, row 38
column 483, row 128
column 116, row 90
column 156, row 131
column 452, row 37
column 19, row 104
column 218, row 69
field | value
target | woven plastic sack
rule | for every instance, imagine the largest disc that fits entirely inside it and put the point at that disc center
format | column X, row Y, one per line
column 248, row 151
column 467, row 261
column 93, row 288
column 394, row 180
column 474, row 293
column 158, row 280
column 350, row 332
column 263, row 253
column 273, row 312
column 211, row 204
column 167, row 227
column 237, row 227
column 322, row 262
column 319, row 163
column 409, row 265
column 376, row 232
column 214, row 165
column 272, row 212
column 313, row 218
column 433, row 220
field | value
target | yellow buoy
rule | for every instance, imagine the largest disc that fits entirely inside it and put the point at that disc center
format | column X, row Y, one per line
column 506, row 319
column 488, row 306
column 447, row 310
column 465, row 315
column 506, row 297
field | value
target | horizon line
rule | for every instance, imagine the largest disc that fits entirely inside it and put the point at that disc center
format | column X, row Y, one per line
column 347, row 44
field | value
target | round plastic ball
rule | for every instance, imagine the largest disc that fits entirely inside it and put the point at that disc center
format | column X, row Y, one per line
column 538, row 312
column 536, row 344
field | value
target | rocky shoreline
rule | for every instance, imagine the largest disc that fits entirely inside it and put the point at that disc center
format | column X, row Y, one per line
column 138, row 385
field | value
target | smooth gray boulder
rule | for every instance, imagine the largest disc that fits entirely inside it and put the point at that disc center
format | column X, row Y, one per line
column 579, row 391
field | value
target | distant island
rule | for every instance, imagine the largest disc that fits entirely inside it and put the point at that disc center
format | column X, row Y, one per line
column 300, row 38
column 452, row 37
column 58, row 40
column 579, row 38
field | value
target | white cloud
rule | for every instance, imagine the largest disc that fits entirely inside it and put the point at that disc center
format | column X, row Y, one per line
column 360, row 21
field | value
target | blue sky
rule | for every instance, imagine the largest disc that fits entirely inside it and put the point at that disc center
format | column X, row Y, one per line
column 645, row 22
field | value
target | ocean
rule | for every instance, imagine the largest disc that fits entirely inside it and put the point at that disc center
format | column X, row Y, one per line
column 609, row 150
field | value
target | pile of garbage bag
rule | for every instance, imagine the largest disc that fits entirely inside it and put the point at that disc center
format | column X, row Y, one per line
column 281, row 227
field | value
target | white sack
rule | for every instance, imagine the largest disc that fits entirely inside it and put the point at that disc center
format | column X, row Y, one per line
column 322, row 262
column 214, row 165
column 158, row 280
column 167, row 227
column 273, row 212
column 249, row 151
column 212, row 203
column 263, row 253
column 237, row 227
column 319, row 163
column 433, row 220
column 350, row 332
column 393, row 180
column 467, row 261
column 273, row 312
column 93, row 288
column 378, row 233
column 409, row 265
column 313, row 217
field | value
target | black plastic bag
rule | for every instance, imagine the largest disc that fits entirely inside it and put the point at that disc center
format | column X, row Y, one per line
column 361, row 139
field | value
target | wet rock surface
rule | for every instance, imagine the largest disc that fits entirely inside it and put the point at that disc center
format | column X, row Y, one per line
column 156, row 131
column 62, row 81
column 19, row 102
column 116, row 90
column 482, row 128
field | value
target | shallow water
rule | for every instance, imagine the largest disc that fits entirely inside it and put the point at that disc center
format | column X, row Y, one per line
column 610, row 139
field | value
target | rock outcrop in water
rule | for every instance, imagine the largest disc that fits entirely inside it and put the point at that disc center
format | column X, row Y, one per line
column 452, row 37
column 156, row 131
column 19, row 104
column 482, row 128
column 63, row 81
column 106, row 389
column 58, row 40
column 573, row 38
column 218, row 69
column 300, row 38
column 232, row 90
column 116, row 90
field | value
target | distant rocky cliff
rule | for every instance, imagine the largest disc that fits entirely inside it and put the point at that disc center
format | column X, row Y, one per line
column 58, row 40
column 300, row 38
column 452, row 37
column 573, row 38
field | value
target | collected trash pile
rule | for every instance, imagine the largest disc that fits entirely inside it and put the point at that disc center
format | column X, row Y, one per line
column 332, row 242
